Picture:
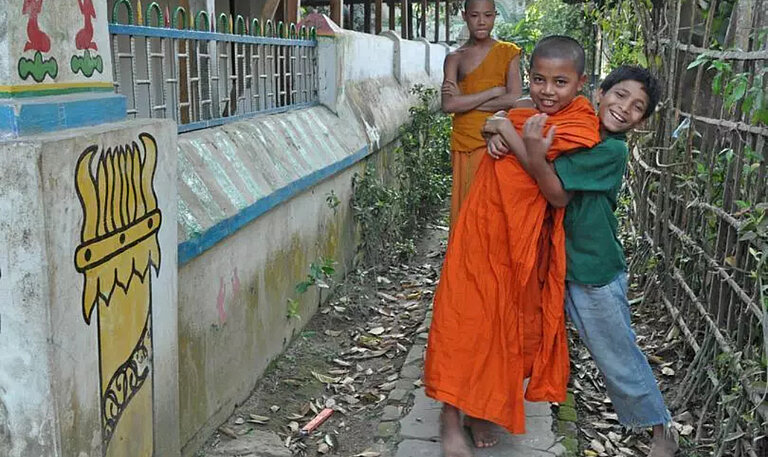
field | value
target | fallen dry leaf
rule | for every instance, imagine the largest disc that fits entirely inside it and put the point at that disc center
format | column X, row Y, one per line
column 325, row 379
column 256, row 419
column 376, row 331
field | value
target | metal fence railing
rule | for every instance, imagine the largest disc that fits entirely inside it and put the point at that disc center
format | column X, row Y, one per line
column 699, row 208
column 202, row 73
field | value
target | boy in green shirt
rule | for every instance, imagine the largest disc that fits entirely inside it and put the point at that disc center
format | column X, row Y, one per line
column 587, row 183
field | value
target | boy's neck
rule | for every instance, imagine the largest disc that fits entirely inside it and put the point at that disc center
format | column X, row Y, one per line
column 481, row 43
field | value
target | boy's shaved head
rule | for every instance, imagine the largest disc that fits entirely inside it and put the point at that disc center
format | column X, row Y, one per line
column 468, row 2
column 559, row 47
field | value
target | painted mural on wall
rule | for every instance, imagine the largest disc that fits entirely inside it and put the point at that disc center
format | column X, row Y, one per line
column 39, row 43
column 86, row 63
column 118, row 253
column 57, row 47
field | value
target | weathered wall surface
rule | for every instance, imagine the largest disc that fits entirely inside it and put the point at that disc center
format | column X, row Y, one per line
column 253, row 216
column 88, row 353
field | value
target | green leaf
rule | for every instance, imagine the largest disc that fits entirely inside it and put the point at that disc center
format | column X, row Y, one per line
column 736, row 89
column 701, row 59
column 303, row 286
column 716, row 83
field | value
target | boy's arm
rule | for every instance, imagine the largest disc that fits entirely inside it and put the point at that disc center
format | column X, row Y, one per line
column 536, row 164
column 499, row 125
column 514, row 90
column 452, row 100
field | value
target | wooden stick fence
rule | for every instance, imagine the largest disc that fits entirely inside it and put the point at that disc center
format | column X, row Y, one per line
column 699, row 214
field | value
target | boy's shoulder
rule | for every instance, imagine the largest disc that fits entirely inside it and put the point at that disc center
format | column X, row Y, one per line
column 470, row 48
column 508, row 45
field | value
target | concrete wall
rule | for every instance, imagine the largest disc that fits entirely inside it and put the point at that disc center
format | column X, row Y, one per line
column 93, row 219
column 253, row 216
column 88, row 350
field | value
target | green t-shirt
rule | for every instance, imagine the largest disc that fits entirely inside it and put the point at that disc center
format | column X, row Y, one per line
column 592, row 246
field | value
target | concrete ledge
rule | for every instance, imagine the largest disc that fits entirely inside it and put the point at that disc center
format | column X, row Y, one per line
column 35, row 115
column 197, row 245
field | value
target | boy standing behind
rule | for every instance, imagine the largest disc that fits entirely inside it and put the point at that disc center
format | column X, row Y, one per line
column 480, row 78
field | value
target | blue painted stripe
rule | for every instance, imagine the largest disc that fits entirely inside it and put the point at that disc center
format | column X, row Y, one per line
column 32, row 116
column 225, row 120
column 192, row 248
column 159, row 32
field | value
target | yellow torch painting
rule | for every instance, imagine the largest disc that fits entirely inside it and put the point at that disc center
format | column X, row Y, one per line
column 119, row 249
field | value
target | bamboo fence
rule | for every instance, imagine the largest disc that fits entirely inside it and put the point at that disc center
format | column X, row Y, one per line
column 698, row 190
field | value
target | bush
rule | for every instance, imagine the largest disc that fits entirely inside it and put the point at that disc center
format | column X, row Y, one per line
column 390, row 217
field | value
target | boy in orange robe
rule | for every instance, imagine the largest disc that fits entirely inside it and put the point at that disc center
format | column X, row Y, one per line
column 498, row 312
column 480, row 78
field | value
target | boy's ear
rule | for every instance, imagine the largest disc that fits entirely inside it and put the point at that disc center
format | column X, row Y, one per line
column 582, row 81
column 598, row 96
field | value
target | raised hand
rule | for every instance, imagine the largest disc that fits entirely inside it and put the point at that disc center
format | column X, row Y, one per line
column 536, row 142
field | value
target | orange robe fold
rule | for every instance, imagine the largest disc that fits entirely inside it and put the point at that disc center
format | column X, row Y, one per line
column 467, row 143
column 498, row 312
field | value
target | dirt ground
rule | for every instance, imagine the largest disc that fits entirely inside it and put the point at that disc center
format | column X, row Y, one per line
column 347, row 358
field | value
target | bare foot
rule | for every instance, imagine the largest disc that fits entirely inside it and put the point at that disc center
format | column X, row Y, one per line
column 452, row 434
column 483, row 432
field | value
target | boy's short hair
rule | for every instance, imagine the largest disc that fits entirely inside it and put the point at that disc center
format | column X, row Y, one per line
column 467, row 2
column 643, row 76
column 560, row 47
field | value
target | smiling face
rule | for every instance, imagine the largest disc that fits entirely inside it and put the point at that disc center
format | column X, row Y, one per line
column 622, row 106
column 555, row 82
column 480, row 16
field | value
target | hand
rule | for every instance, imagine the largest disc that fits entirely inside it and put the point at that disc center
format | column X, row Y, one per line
column 450, row 88
column 536, row 144
column 497, row 148
column 496, row 124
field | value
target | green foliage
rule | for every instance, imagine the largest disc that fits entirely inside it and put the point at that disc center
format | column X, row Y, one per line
column 332, row 200
column 319, row 272
column 292, row 309
column 737, row 88
column 390, row 215
column 621, row 32
column 543, row 18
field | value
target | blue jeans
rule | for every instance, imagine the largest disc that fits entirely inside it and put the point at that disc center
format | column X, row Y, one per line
column 601, row 315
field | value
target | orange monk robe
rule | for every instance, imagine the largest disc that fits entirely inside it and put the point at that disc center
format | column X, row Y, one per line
column 467, row 142
column 498, row 312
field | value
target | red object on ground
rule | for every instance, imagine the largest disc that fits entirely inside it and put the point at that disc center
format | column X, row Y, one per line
column 321, row 417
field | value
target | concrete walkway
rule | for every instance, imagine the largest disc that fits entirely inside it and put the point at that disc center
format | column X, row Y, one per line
column 421, row 434
column 420, row 428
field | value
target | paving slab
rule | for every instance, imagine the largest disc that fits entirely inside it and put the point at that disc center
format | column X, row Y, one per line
column 254, row 444
column 536, row 409
column 418, row 448
column 422, row 425
column 423, row 421
column 415, row 355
